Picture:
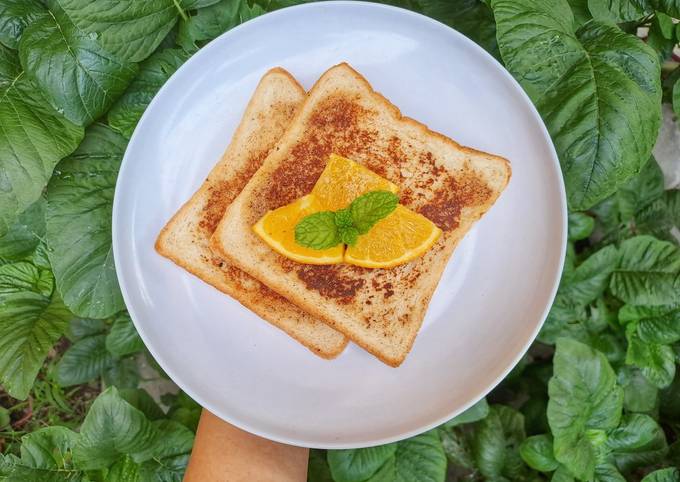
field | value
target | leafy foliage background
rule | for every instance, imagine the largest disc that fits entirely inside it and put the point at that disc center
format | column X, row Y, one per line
column 597, row 397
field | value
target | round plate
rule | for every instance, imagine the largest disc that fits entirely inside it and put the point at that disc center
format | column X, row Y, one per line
column 494, row 294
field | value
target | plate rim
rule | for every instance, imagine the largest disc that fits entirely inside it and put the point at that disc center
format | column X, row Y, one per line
column 117, row 216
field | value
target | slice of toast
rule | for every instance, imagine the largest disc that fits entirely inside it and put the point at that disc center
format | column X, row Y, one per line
column 185, row 238
column 379, row 309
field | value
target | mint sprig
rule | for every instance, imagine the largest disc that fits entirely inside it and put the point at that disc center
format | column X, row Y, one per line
column 327, row 229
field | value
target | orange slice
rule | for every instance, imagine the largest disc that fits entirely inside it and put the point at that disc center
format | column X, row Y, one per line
column 399, row 238
column 343, row 180
column 277, row 229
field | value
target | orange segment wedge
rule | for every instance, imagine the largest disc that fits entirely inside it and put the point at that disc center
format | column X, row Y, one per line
column 277, row 229
column 399, row 238
column 343, row 180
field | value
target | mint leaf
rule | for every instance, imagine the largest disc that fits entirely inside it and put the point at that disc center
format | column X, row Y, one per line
column 343, row 218
column 318, row 231
column 349, row 235
column 371, row 207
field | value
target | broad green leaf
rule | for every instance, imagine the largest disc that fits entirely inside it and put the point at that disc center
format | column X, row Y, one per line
column 639, row 395
column 129, row 29
column 562, row 475
column 153, row 73
column 183, row 409
column 48, row 448
column 79, row 206
column 85, row 360
column 212, row 21
column 496, row 443
column 584, row 400
column 670, row 400
column 14, row 16
column 33, row 319
column 32, row 140
column 142, row 401
column 25, row 234
column 661, row 217
column 657, row 362
column 670, row 7
column 170, row 469
column 420, row 458
column 112, row 428
column 82, row 327
column 580, row 10
column 655, row 324
column 616, row 11
column 473, row 414
column 537, row 452
column 318, row 470
column 676, row 95
column 472, row 18
column 663, row 475
column 171, row 439
column 122, row 373
column 602, row 108
column 648, row 272
column 192, row 4
column 578, row 288
column 639, row 441
column 358, row 464
column 124, row 470
column 666, row 25
column 641, row 190
column 457, row 448
column 79, row 78
column 123, row 338
column 607, row 472
column 580, row 226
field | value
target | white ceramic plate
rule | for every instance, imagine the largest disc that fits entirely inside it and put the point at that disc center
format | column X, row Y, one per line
column 494, row 294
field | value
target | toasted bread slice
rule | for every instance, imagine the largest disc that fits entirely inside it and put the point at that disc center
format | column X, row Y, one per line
column 379, row 309
column 185, row 239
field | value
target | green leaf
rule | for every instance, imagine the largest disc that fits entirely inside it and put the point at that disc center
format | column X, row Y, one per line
column 25, row 234
column 663, row 475
column 78, row 77
column 616, row 11
column 473, row 414
column 85, row 360
column 171, row 439
column 123, row 338
column 194, row 4
column 496, row 443
column 670, row 7
column 153, row 73
column 123, row 373
column 348, row 236
column 358, row 464
column 124, row 470
column 562, row 475
column 79, row 206
column 212, row 21
column 48, row 448
column 343, row 218
column 183, row 409
column 666, row 25
column 112, row 428
column 639, row 395
column 657, row 362
column 639, row 441
column 82, row 327
column 318, row 470
column 670, row 399
column 33, row 319
column 655, row 324
column 129, row 29
column 537, row 452
column 606, row 472
column 641, row 190
column 371, row 207
column 420, row 458
column 318, row 231
column 661, row 217
column 648, row 272
column 457, row 449
column 580, row 226
column 142, row 401
column 584, row 398
column 14, row 16
column 676, row 95
column 33, row 139
column 602, row 108
column 580, row 10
